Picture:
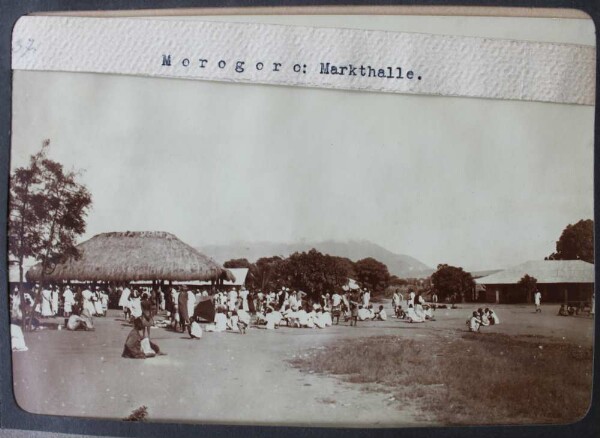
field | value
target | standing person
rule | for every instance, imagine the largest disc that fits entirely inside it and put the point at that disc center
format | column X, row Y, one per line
column 233, row 295
column 16, row 311
column 124, row 302
column 88, row 304
column 68, row 303
column 244, row 295
column 537, row 297
column 396, row 302
column 46, row 299
column 411, row 299
column 434, row 299
column 182, row 305
column 354, row 303
column 55, row 300
column 336, row 307
column 98, row 302
column 366, row 298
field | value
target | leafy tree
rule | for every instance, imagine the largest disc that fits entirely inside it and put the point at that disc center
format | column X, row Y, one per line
column 47, row 208
column 237, row 263
column 372, row 274
column 528, row 284
column 265, row 273
column 576, row 242
column 452, row 281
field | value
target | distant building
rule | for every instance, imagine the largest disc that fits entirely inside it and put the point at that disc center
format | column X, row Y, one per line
column 558, row 281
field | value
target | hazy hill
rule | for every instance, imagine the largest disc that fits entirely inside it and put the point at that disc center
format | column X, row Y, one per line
column 399, row 264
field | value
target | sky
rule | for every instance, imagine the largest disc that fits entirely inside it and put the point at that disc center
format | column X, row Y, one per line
column 476, row 183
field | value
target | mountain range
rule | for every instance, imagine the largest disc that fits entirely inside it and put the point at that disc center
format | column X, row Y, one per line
column 402, row 265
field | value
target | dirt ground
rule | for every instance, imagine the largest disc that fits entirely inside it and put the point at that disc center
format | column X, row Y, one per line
column 233, row 378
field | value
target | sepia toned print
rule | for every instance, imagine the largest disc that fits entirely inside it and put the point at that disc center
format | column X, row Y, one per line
column 209, row 252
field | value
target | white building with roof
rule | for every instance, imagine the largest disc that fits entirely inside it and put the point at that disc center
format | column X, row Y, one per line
column 557, row 280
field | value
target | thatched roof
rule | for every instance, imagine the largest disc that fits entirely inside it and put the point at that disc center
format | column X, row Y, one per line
column 131, row 256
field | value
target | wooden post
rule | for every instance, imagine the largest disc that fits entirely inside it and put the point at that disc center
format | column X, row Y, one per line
column 497, row 296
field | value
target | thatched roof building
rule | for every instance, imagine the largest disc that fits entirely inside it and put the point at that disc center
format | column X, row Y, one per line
column 134, row 256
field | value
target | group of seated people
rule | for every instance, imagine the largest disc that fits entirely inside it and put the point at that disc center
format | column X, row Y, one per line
column 482, row 317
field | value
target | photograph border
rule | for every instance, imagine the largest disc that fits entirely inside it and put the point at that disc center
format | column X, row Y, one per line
column 13, row 417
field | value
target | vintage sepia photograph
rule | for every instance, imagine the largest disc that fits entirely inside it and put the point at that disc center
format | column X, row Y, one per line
column 201, row 251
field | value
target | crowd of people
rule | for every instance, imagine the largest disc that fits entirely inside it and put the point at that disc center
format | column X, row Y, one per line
column 185, row 308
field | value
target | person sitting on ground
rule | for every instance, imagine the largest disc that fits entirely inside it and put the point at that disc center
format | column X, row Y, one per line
column 232, row 321
column 380, row 315
column 474, row 322
column 80, row 320
column 195, row 330
column 243, row 321
column 483, row 317
column 400, row 313
column 563, row 310
column 364, row 313
column 412, row 316
column 133, row 348
column 492, row 317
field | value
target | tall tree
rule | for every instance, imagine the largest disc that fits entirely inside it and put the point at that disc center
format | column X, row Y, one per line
column 528, row 284
column 576, row 242
column 372, row 274
column 452, row 281
column 48, row 208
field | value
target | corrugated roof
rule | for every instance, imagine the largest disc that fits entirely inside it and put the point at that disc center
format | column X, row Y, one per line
column 545, row 271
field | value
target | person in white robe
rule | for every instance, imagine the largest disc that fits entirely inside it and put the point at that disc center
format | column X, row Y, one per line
column 69, row 301
column 273, row 319
column 232, row 322
column 46, row 302
column 55, row 300
column 195, row 330
column 17, row 340
column 396, row 302
column 191, row 304
column 135, row 304
column 233, row 296
column 244, row 294
column 492, row 317
column 411, row 298
column 381, row 315
column 326, row 319
column 124, row 301
column 16, row 312
column 87, row 301
column 366, row 298
column 97, row 302
column 104, row 302
column 364, row 314
column 220, row 322
column 412, row 316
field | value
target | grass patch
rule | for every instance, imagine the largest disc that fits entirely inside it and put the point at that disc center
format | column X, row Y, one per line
column 469, row 378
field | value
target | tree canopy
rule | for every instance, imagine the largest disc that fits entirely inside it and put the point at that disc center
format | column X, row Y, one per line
column 452, row 282
column 576, row 242
column 47, row 211
column 372, row 274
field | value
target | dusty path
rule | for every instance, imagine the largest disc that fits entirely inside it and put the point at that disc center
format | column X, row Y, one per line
column 227, row 377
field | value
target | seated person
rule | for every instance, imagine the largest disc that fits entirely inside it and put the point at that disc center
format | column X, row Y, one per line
column 483, row 317
column 380, row 315
column 80, row 322
column 563, row 310
column 474, row 322
column 232, row 321
column 273, row 319
column 400, row 313
column 326, row 318
column 492, row 317
column 133, row 344
column 412, row 316
column 363, row 313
